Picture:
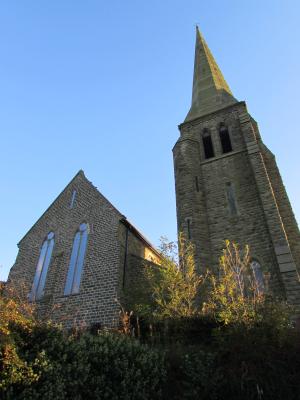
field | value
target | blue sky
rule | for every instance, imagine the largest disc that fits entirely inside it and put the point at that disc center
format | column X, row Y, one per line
column 102, row 85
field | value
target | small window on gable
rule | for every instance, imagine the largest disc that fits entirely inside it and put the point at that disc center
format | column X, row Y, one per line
column 225, row 139
column 207, row 144
column 258, row 276
column 230, row 193
column 73, row 198
column 39, row 281
column 77, row 260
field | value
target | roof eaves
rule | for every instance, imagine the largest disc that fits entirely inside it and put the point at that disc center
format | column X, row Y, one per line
column 133, row 229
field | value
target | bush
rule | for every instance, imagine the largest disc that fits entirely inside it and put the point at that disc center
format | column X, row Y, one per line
column 239, row 345
column 39, row 360
column 258, row 363
column 237, row 364
column 236, row 296
column 185, row 331
column 236, row 361
column 201, row 376
column 171, row 289
column 122, row 368
column 47, row 364
column 44, row 362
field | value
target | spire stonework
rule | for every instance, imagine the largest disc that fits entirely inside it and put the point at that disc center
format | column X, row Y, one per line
column 210, row 90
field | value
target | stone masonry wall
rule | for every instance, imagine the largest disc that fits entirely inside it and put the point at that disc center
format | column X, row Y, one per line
column 133, row 261
column 95, row 303
column 206, row 204
column 284, row 206
column 279, row 220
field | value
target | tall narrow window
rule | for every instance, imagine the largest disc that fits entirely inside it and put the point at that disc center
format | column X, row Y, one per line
column 73, row 198
column 188, row 225
column 39, row 281
column 197, row 183
column 230, row 193
column 225, row 139
column 258, row 275
column 77, row 259
column 207, row 144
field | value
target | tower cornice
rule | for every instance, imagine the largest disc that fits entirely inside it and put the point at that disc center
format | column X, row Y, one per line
column 211, row 114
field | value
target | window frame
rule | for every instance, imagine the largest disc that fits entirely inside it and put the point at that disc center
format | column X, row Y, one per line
column 208, row 147
column 233, row 211
column 42, row 267
column 224, row 128
column 259, row 279
column 73, row 198
column 77, row 258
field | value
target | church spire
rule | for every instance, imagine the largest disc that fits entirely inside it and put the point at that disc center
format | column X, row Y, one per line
column 210, row 90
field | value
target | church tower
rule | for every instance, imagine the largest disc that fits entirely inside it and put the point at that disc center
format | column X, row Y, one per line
column 228, row 185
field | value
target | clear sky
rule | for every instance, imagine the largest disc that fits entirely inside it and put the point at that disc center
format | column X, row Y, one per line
column 102, row 85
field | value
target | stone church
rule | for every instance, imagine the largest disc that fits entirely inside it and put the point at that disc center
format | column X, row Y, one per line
column 228, row 185
column 79, row 256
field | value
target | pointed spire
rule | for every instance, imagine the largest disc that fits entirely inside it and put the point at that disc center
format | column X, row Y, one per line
column 210, row 90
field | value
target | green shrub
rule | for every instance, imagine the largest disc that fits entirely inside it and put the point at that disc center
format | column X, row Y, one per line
column 170, row 289
column 201, row 376
column 238, row 363
column 50, row 360
column 17, row 374
column 122, row 368
column 47, row 364
column 240, row 345
column 259, row 363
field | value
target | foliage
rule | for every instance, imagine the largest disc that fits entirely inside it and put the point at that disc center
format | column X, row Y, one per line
column 201, row 375
column 236, row 296
column 39, row 360
column 122, row 368
column 15, row 371
column 244, row 364
column 259, row 364
column 14, row 310
column 239, row 345
column 18, row 373
column 171, row 288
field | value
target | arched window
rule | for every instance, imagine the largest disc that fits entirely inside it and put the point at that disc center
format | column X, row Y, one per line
column 77, row 259
column 258, row 276
column 39, row 281
column 225, row 139
column 207, row 144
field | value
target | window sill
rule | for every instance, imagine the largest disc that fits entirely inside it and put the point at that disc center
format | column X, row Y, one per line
column 69, row 295
column 41, row 300
column 231, row 153
column 234, row 218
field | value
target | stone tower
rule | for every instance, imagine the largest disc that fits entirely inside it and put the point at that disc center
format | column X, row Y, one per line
column 228, row 185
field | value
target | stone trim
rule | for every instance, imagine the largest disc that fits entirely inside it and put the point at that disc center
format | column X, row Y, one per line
column 252, row 147
column 285, row 259
column 232, row 153
column 212, row 114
